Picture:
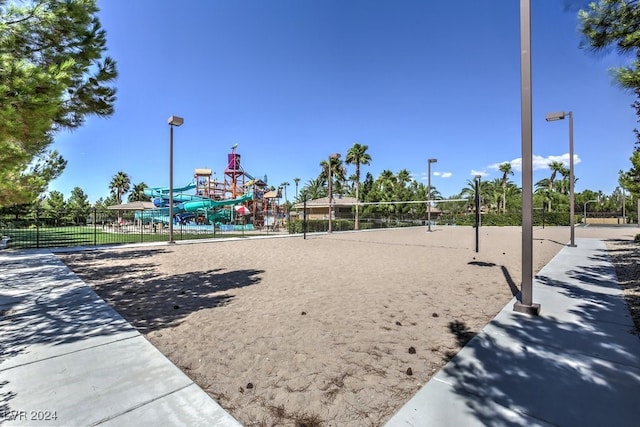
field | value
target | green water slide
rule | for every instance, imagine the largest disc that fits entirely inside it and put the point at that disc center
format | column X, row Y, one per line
column 204, row 204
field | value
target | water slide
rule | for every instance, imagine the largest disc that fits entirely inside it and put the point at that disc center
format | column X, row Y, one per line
column 163, row 192
column 203, row 204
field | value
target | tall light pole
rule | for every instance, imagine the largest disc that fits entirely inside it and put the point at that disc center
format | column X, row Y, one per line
column 477, row 186
column 526, row 305
column 173, row 121
column 429, row 161
column 551, row 117
column 331, row 156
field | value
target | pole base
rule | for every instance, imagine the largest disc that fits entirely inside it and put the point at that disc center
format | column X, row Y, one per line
column 572, row 246
column 533, row 309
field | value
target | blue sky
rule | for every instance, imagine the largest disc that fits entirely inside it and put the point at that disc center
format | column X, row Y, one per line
column 292, row 81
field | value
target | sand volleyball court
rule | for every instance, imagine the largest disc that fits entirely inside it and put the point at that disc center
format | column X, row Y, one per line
column 334, row 330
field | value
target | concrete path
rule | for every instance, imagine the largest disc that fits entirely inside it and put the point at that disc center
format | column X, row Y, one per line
column 577, row 364
column 68, row 359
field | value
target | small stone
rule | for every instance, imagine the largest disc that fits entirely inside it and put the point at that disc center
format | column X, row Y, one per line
column 241, row 390
column 398, row 323
column 304, row 313
column 412, row 350
column 434, row 315
column 175, row 307
column 409, row 371
column 249, row 386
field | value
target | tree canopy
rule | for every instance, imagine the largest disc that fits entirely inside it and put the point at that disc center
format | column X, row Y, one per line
column 609, row 23
column 53, row 74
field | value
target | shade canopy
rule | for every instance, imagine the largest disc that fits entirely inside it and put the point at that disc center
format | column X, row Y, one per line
column 133, row 206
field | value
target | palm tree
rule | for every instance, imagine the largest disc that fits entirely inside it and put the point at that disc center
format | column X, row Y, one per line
column 119, row 186
column 555, row 168
column 505, row 168
column 357, row 155
column 402, row 191
column 285, row 185
column 314, row 189
column 338, row 173
column 137, row 193
column 296, row 181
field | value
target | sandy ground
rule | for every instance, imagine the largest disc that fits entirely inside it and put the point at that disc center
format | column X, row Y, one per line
column 334, row 330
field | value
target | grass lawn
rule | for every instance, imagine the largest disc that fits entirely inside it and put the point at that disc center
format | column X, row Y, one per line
column 88, row 236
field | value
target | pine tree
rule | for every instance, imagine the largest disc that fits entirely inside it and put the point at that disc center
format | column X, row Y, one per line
column 53, row 73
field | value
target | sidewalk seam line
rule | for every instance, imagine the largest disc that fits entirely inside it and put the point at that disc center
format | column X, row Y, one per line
column 72, row 352
column 140, row 405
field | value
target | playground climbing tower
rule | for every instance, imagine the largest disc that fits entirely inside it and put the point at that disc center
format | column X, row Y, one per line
column 234, row 175
column 207, row 187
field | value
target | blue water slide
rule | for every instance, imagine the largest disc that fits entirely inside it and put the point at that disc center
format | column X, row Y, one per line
column 208, row 203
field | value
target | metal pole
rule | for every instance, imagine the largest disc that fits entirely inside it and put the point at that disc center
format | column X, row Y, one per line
column 95, row 231
column 171, row 184
column 330, row 195
column 304, row 218
column 429, row 195
column 525, row 305
column 572, row 220
column 477, row 213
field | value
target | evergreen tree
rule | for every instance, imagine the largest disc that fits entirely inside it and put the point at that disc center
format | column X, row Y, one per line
column 52, row 75
column 55, row 207
column 607, row 23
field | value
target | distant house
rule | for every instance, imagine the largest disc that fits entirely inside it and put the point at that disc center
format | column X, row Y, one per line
column 343, row 207
column 319, row 208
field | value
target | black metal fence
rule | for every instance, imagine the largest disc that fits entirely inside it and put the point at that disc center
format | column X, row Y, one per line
column 40, row 228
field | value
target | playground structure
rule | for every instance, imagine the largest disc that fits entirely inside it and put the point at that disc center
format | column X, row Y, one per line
column 240, row 200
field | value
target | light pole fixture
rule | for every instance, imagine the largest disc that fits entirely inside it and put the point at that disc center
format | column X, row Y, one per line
column 172, row 121
column 330, row 174
column 585, row 209
column 552, row 117
column 525, row 304
column 429, row 161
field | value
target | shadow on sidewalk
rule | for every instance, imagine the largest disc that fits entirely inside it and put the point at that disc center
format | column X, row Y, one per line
column 581, row 370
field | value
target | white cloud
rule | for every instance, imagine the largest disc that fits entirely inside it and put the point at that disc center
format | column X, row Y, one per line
column 443, row 174
column 539, row 162
column 475, row 172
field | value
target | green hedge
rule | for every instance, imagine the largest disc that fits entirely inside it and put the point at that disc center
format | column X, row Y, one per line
column 510, row 219
column 489, row 219
column 316, row 225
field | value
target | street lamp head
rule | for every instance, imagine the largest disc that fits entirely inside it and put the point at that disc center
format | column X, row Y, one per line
column 335, row 156
column 433, row 160
column 175, row 121
column 552, row 117
column 477, row 177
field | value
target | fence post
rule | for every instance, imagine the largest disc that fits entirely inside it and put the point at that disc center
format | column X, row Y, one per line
column 37, row 227
column 95, row 225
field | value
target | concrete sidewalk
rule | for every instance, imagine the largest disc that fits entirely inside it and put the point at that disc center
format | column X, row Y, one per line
column 68, row 359
column 577, row 364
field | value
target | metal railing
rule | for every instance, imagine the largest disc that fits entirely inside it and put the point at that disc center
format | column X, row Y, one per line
column 40, row 228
